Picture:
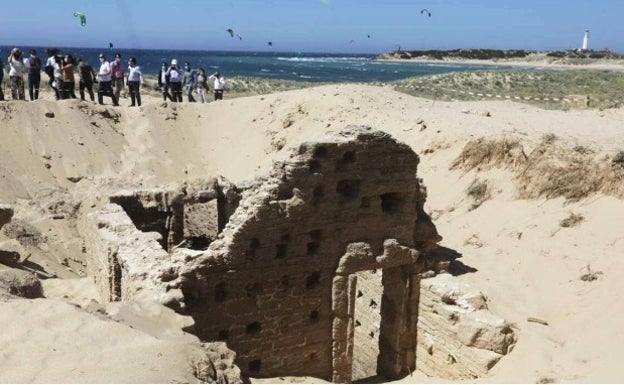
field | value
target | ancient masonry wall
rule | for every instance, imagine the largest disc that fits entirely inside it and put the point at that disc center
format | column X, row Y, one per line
column 369, row 292
column 267, row 286
column 279, row 281
column 458, row 337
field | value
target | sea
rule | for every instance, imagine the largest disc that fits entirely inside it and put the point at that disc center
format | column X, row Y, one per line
column 297, row 66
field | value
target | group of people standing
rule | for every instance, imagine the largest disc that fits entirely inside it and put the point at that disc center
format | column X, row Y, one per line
column 172, row 78
column 18, row 66
column 111, row 78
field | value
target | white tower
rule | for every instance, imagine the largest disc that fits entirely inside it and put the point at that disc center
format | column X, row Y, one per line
column 585, row 45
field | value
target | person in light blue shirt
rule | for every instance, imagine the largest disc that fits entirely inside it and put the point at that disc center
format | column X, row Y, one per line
column 190, row 81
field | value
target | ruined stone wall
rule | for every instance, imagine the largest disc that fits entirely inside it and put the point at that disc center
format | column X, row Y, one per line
column 126, row 264
column 278, row 283
column 458, row 337
column 354, row 186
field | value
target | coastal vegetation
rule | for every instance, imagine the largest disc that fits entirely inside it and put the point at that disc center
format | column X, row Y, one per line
column 597, row 89
column 497, row 54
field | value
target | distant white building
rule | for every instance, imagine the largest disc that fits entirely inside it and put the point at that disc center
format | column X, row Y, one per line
column 585, row 45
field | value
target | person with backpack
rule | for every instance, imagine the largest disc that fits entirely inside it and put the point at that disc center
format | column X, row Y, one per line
column 87, row 78
column 175, row 81
column 34, row 75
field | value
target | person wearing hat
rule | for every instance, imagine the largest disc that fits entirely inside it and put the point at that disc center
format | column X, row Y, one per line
column 135, row 79
column 175, row 81
column 34, row 75
column 16, row 74
column 105, row 79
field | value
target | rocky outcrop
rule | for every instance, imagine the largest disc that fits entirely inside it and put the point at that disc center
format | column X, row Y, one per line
column 458, row 337
column 20, row 283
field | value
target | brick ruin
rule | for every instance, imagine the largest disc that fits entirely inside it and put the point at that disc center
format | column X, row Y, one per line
column 310, row 271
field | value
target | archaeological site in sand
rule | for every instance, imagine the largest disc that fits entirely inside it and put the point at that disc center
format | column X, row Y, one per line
column 327, row 267
column 314, row 270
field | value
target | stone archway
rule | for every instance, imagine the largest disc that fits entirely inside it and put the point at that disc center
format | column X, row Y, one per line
column 397, row 332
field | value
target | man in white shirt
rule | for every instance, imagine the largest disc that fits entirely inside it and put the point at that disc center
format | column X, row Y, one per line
column 219, row 85
column 105, row 81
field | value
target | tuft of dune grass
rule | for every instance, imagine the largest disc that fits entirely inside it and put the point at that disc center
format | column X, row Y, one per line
column 549, row 171
column 485, row 153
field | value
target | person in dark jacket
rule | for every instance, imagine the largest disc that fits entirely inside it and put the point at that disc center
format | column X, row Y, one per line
column 163, row 82
column 34, row 75
column 87, row 78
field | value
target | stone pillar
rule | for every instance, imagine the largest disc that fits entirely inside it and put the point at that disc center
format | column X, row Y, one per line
column 343, row 309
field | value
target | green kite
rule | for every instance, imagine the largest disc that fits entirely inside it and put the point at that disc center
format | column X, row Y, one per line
column 83, row 18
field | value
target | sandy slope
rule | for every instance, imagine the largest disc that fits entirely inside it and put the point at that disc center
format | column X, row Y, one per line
column 524, row 261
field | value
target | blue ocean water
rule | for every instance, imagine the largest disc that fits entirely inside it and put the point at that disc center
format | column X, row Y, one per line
column 311, row 67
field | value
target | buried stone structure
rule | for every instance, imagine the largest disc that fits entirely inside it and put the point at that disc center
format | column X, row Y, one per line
column 313, row 270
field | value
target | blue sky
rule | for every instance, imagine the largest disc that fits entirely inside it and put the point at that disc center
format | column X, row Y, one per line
column 315, row 25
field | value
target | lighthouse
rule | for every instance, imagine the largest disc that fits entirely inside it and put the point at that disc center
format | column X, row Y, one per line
column 585, row 45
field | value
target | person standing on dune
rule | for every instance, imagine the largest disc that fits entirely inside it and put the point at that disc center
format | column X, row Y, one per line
column 34, row 75
column 219, row 85
column 69, row 81
column 117, row 74
column 202, row 85
column 190, row 81
column 16, row 74
column 87, row 76
column 49, row 70
column 175, row 81
column 135, row 79
column 163, row 82
column 105, row 80
column 1, row 80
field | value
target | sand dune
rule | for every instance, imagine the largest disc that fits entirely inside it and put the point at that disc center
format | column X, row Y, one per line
column 55, row 169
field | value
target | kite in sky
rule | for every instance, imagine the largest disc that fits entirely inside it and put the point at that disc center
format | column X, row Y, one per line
column 232, row 34
column 83, row 18
column 110, row 45
column 425, row 11
column 270, row 44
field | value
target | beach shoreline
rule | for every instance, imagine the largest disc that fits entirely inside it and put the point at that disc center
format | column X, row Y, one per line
column 541, row 63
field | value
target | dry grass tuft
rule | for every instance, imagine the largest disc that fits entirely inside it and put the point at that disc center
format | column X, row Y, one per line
column 478, row 191
column 572, row 220
column 485, row 153
column 553, row 172
column 549, row 171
